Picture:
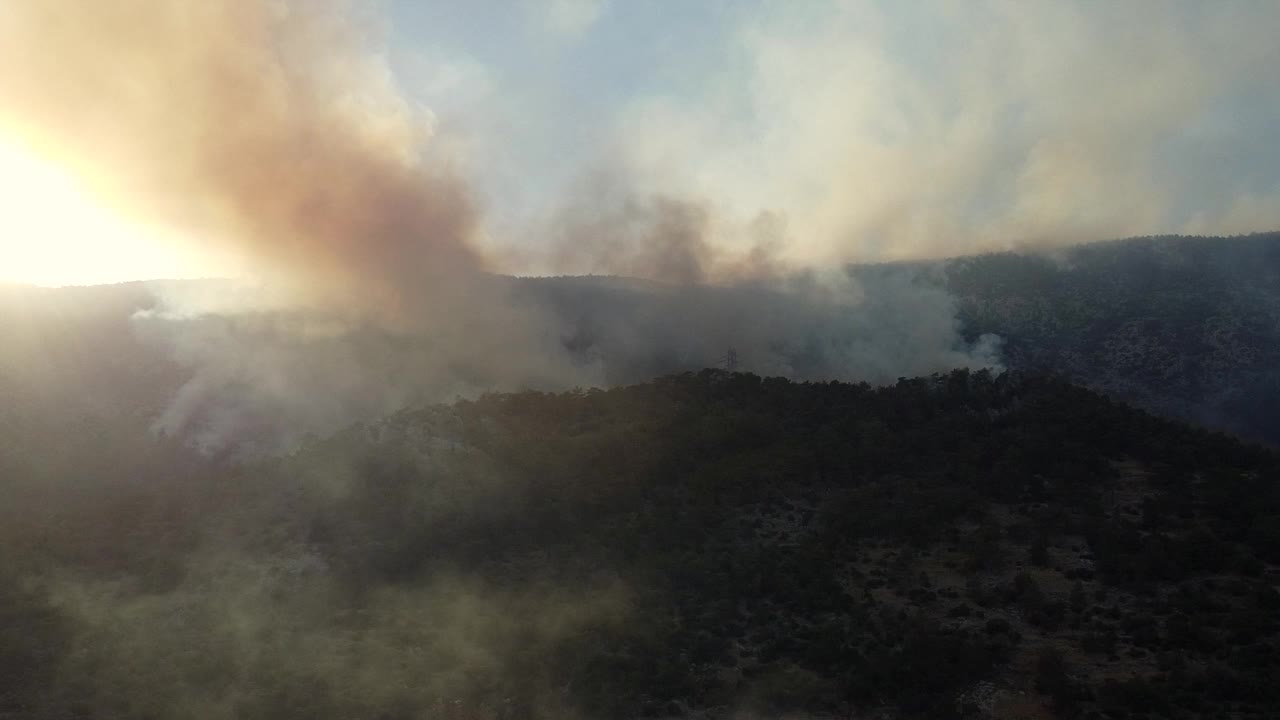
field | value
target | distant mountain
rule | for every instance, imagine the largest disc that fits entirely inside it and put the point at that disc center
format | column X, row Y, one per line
column 1186, row 327
column 707, row 545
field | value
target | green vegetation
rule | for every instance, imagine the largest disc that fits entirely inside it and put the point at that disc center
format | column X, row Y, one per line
column 953, row 546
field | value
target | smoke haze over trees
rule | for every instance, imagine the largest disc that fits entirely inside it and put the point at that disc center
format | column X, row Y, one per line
column 707, row 543
column 395, row 466
column 286, row 143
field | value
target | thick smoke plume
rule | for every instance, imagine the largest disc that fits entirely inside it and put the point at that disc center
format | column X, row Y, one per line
column 607, row 225
column 268, row 131
column 273, row 134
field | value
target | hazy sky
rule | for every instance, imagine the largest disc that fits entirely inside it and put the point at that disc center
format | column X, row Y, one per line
column 877, row 129
column 807, row 132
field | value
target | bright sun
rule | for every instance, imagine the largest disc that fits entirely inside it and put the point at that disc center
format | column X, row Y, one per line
column 53, row 232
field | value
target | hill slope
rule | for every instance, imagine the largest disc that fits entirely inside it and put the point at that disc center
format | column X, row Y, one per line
column 1187, row 327
column 707, row 544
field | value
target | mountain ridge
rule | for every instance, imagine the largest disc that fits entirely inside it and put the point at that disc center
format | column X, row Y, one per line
column 1186, row 327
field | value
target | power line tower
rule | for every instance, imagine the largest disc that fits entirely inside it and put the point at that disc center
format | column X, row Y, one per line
column 728, row 361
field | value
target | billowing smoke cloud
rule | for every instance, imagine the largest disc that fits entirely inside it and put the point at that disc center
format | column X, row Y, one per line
column 885, row 131
column 274, row 133
column 261, row 381
column 877, row 324
column 607, row 226
column 270, row 131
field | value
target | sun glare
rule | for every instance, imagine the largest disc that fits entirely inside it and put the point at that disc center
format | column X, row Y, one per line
column 54, row 232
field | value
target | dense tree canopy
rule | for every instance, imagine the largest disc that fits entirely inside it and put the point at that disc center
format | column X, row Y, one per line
column 706, row 543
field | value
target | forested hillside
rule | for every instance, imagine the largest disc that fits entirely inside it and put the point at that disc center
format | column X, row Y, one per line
column 1184, row 326
column 707, row 544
